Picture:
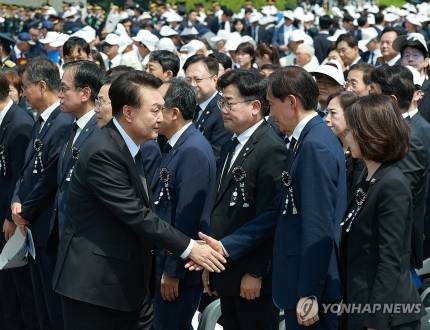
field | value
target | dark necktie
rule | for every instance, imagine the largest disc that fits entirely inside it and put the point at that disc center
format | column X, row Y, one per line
column 167, row 147
column 110, row 64
column 408, row 119
column 141, row 171
column 37, row 126
column 69, row 145
column 371, row 58
column 290, row 151
column 233, row 143
column 196, row 113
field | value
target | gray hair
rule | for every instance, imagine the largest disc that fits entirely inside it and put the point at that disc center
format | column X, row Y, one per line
column 183, row 96
column 43, row 69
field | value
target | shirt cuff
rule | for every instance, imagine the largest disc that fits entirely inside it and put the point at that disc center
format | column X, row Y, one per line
column 224, row 250
column 187, row 251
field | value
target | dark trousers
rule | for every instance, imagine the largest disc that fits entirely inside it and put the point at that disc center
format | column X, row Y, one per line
column 79, row 315
column 146, row 314
column 178, row 314
column 327, row 321
column 242, row 314
column 16, row 300
column 48, row 303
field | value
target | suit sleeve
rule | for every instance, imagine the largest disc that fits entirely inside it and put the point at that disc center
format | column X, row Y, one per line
column 392, row 215
column 45, row 188
column 194, row 189
column 219, row 135
column 17, row 157
column 318, row 174
column 109, row 179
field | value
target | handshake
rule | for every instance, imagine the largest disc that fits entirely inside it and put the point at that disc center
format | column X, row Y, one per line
column 207, row 253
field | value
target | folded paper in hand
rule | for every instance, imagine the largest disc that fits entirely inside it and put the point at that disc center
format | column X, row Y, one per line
column 16, row 250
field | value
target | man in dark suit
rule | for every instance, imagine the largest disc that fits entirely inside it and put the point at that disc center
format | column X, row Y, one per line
column 80, row 85
column 183, row 192
column 104, row 259
column 249, row 172
column 308, row 210
column 397, row 81
column 321, row 44
column 16, row 299
column 347, row 47
column 33, row 198
column 202, row 73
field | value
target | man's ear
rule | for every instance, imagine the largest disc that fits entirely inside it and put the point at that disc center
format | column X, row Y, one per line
column 85, row 94
column 128, row 113
column 394, row 98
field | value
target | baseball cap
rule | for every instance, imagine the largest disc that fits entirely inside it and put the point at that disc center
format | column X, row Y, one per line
column 332, row 69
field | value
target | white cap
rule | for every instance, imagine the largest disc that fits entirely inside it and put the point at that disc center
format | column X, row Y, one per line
column 144, row 16
column 332, row 69
column 371, row 19
column 192, row 47
column 71, row 12
column 269, row 10
column 60, row 41
column 189, row 31
column 418, row 80
column 289, row 14
column 267, row 20
column 390, row 17
column 166, row 44
column 413, row 19
column 51, row 36
column 336, row 35
column 91, row 33
column 125, row 42
column 336, row 12
column 221, row 35
column 174, row 17
column 147, row 38
column 250, row 40
column 411, row 39
column 367, row 35
column 167, row 31
column 233, row 41
column 255, row 17
column 112, row 39
column 300, row 35
column 120, row 30
column 51, row 11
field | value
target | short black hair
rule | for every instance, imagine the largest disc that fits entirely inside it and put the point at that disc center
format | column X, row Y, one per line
column 348, row 18
column 247, row 48
column 348, row 38
column 395, row 80
column 379, row 18
column 366, row 69
column 210, row 63
column 294, row 80
column 361, row 21
column 325, row 22
column 125, row 90
column 390, row 29
column 222, row 59
column 41, row 68
column 4, row 86
column 76, row 43
column 167, row 60
column 250, row 83
column 86, row 74
column 182, row 96
column 115, row 72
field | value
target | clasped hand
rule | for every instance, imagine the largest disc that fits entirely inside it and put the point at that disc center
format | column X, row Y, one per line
column 17, row 218
column 204, row 256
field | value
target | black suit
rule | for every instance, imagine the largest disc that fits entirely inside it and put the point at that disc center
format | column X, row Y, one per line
column 424, row 104
column 211, row 124
column 104, row 259
column 322, row 46
column 16, row 299
column 376, row 252
column 415, row 167
column 422, row 228
column 262, row 158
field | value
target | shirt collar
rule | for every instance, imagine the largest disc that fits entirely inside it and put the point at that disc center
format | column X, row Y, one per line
column 5, row 110
column 175, row 137
column 83, row 121
column 47, row 112
column 405, row 115
column 245, row 135
column 301, row 125
column 393, row 60
column 132, row 147
column 355, row 61
column 413, row 112
column 204, row 104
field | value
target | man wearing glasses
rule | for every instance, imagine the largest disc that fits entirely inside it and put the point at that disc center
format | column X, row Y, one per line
column 202, row 73
column 251, row 166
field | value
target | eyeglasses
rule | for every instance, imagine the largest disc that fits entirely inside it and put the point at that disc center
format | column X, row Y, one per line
column 224, row 104
column 101, row 102
column 196, row 80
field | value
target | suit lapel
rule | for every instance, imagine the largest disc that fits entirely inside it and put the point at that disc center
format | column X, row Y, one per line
column 201, row 122
column 67, row 164
column 116, row 136
column 247, row 149
column 6, row 121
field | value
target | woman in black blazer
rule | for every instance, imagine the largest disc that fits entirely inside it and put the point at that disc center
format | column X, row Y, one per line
column 376, row 231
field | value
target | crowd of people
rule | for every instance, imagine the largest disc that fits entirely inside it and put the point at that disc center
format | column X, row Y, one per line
column 162, row 158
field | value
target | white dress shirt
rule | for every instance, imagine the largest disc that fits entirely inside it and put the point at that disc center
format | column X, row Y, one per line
column 82, row 122
column 205, row 103
column 5, row 110
column 301, row 125
column 413, row 112
column 134, row 148
column 47, row 112
column 393, row 60
column 175, row 137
